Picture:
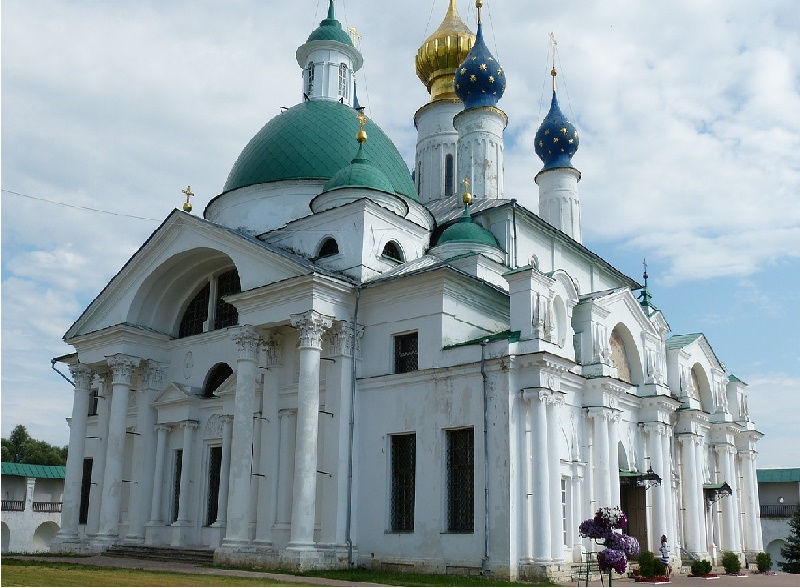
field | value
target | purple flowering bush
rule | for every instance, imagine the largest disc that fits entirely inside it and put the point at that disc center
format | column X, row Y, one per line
column 606, row 529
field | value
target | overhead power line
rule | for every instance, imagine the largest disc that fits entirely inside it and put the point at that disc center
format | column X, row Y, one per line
column 88, row 208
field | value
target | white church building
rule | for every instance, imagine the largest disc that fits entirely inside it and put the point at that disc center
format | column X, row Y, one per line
column 344, row 363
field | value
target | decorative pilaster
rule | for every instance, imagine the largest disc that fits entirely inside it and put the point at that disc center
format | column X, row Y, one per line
column 539, row 457
column 728, row 539
column 158, row 479
column 70, row 513
column 600, row 453
column 122, row 367
column 751, row 524
column 693, row 502
column 554, row 403
column 614, row 417
column 311, row 325
column 144, row 446
column 224, row 471
column 183, row 524
column 248, row 343
column 655, row 432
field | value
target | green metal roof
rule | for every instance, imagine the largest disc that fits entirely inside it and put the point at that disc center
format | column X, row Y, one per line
column 314, row 140
column 679, row 341
column 466, row 231
column 779, row 475
column 33, row 471
column 733, row 378
column 330, row 29
column 360, row 174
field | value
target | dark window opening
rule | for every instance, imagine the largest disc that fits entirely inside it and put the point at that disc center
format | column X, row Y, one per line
column 404, row 457
column 329, row 247
column 214, row 470
column 196, row 314
column 226, row 314
column 460, row 480
column 449, row 175
column 406, row 351
column 392, row 251
column 176, row 485
column 86, row 487
column 93, row 402
column 218, row 374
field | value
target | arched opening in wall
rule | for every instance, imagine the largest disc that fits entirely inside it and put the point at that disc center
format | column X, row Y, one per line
column 774, row 549
column 622, row 457
column 702, row 388
column 6, row 533
column 44, row 535
column 207, row 310
column 449, row 175
column 215, row 378
column 328, row 248
column 624, row 355
column 559, row 321
column 392, row 252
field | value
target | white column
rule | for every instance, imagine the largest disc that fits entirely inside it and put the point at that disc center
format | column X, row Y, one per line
column 655, row 432
column 694, row 509
column 288, row 436
column 728, row 540
column 480, row 150
column 554, row 468
column 614, row 418
column 122, row 367
column 530, row 498
column 70, row 510
column 144, row 445
column 238, row 530
column 224, row 471
column 270, row 443
column 257, row 479
column 752, row 523
column 99, row 463
column 666, row 483
column 158, row 477
column 600, row 453
column 186, row 478
column 542, row 534
column 311, row 325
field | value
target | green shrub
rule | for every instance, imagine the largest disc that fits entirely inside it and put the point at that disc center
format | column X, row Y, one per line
column 701, row 567
column 731, row 563
column 646, row 563
column 764, row 562
column 659, row 569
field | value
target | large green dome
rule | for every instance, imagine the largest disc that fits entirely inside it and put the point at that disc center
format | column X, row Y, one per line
column 314, row 140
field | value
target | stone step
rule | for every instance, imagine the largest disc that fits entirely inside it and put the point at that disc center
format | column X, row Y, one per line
column 163, row 553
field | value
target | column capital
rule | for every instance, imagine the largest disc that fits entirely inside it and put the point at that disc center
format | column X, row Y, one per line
column 273, row 345
column 343, row 339
column 540, row 394
column 189, row 424
column 284, row 412
column 247, row 342
column 122, row 367
column 152, row 374
column 654, row 428
column 603, row 412
column 162, row 427
column 749, row 454
column 724, row 449
column 687, row 438
column 311, row 325
column 82, row 374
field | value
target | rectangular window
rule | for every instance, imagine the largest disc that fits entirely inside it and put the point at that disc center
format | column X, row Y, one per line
column 93, row 400
column 406, row 351
column 214, row 469
column 564, row 508
column 176, row 484
column 461, row 480
column 86, row 487
column 404, row 462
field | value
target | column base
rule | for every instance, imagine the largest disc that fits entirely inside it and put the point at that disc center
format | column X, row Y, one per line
column 67, row 543
column 181, row 533
column 133, row 539
column 101, row 542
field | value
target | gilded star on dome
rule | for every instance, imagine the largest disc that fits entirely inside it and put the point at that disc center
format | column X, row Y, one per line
column 563, row 130
column 483, row 67
column 491, row 79
column 489, row 59
column 500, row 71
column 463, row 70
column 555, row 139
column 541, row 143
column 546, row 132
column 571, row 141
column 472, row 78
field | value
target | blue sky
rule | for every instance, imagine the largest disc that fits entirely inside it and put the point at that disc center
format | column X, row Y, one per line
column 689, row 114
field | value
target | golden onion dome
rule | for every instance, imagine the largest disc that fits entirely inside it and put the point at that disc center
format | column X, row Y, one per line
column 442, row 53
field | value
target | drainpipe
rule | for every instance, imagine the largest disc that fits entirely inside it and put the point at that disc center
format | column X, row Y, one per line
column 348, row 527
column 485, row 561
column 514, row 222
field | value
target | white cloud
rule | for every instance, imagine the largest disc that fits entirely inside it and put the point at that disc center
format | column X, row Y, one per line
column 772, row 400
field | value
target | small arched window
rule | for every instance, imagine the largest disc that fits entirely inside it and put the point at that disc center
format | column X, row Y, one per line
column 226, row 314
column 310, row 78
column 328, row 248
column 203, row 313
column 449, row 175
column 196, row 313
column 392, row 251
column 343, row 85
column 218, row 374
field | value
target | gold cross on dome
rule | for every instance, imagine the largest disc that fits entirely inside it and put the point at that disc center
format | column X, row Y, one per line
column 354, row 35
column 362, row 118
column 187, row 206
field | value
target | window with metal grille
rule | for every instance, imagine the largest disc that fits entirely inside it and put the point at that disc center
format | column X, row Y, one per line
column 310, row 78
column 196, row 314
column 449, row 174
column 392, row 251
column 343, row 80
column 86, row 486
column 225, row 314
column 214, row 468
column 564, row 508
column 404, row 463
column 460, row 480
column 406, row 351
column 176, row 484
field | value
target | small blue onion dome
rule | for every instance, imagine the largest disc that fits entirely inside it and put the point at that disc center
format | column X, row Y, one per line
column 330, row 29
column 480, row 80
column 556, row 140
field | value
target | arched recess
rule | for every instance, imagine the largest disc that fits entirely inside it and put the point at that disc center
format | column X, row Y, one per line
column 774, row 549
column 702, row 388
column 6, row 532
column 328, row 248
column 44, row 535
column 215, row 378
column 565, row 299
column 625, row 355
column 162, row 298
column 622, row 455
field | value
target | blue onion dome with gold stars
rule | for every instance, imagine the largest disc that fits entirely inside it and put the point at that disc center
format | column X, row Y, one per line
column 480, row 80
column 557, row 139
column 330, row 29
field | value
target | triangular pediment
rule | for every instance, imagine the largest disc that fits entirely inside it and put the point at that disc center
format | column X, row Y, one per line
column 174, row 394
column 228, row 387
column 622, row 301
column 151, row 287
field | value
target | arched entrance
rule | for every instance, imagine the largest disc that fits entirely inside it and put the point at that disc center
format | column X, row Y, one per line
column 44, row 535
